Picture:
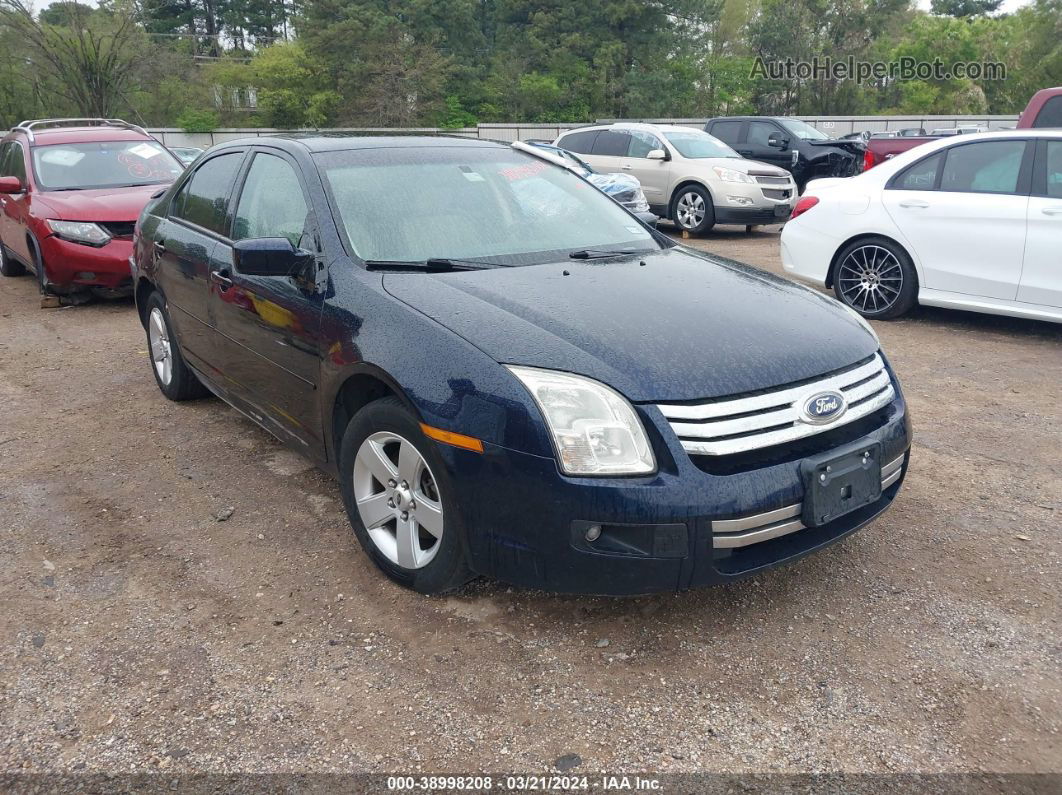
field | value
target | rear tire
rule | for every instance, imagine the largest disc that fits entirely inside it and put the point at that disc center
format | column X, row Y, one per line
column 175, row 379
column 692, row 209
column 8, row 266
column 400, row 501
column 876, row 277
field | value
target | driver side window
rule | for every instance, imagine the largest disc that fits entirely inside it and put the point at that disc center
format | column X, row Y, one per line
column 272, row 203
column 642, row 143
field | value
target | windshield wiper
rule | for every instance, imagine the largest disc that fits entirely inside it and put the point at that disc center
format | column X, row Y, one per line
column 430, row 265
column 596, row 253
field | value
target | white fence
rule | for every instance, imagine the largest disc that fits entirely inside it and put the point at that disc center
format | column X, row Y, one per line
column 833, row 125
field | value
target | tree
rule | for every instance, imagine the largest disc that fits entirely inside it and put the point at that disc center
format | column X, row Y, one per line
column 91, row 57
column 963, row 9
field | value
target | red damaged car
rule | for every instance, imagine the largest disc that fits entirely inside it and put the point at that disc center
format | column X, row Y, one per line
column 70, row 193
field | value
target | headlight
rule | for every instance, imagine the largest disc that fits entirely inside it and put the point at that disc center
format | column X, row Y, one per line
column 639, row 204
column 594, row 428
column 730, row 175
column 80, row 232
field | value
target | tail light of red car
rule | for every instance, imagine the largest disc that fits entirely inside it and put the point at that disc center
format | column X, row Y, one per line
column 869, row 160
column 804, row 203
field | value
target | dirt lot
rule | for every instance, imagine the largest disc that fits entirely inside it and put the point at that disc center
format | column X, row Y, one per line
column 139, row 632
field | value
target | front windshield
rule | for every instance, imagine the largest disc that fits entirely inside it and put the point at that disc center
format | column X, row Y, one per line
column 696, row 145
column 493, row 205
column 103, row 164
column 803, row 130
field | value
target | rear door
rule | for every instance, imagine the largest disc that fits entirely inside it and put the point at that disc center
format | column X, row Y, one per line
column 609, row 154
column 964, row 212
column 186, row 243
column 267, row 340
column 653, row 174
column 729, row 131
column 1041, row 275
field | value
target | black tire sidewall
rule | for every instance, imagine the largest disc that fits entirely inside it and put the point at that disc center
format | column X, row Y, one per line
column 448, row 569
column 908, row 292
column 184, row 385
column 709, row 213
column 8, row 266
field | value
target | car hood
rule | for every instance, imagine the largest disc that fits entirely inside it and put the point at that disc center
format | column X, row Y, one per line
column 104, row 204
column 681, row 326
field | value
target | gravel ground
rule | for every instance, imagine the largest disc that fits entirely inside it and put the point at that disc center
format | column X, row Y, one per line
column 145, row 630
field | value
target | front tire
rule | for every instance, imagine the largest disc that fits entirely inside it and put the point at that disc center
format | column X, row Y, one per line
column 8, row 266
column 174, row 378
column 399, row 499
column 692, row 209
column 876, row 277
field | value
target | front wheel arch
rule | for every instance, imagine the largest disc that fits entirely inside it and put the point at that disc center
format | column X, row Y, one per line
column 835, row 260
column 906, row 293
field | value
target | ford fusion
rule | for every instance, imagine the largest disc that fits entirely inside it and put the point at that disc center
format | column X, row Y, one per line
column 508, row 373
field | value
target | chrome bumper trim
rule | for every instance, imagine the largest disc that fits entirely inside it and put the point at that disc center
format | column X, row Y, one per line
column 779, row 522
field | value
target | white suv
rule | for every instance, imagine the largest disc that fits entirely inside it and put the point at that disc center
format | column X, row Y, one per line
column 687, row 175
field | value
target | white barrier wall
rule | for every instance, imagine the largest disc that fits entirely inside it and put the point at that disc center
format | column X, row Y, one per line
column 833, row 125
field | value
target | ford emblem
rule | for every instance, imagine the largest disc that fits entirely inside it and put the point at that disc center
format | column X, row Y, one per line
column 824, row 407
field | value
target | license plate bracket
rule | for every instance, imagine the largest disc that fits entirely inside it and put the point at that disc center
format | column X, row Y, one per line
column 840, row 482
column 782, row 209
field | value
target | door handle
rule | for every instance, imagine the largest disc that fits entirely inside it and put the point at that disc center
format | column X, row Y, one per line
column 160, row 247
column 914, row 204
column 221, row 278
column 1052, row 210
column 744, row 151
column 627, row 166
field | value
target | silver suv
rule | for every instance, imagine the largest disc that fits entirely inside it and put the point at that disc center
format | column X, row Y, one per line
column 687, row 175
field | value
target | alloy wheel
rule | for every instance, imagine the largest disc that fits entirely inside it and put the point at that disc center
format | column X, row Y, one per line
column 159, row 340
column 689, row 210
column 398, row 500
column 870, row 278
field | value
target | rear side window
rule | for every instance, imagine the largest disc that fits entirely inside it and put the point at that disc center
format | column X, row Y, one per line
column 272, row 204
column 1050, row 114
column 1054, row 169
column 203, row 200
column 580, row 142
column 921, row 176
column 989, row 167
column 728, row 131
column 612, row 143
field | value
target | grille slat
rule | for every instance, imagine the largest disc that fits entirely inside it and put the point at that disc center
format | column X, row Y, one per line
column 738, row 425
column 765, row 180
column 119, row 228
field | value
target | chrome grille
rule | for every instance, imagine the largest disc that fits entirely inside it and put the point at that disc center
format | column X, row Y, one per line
column 763, row 180
column 746, row 530
column 737, row 425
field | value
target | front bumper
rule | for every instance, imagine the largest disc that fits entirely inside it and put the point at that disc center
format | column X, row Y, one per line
column 775, row 214
column 526, row 523
column 72, row 265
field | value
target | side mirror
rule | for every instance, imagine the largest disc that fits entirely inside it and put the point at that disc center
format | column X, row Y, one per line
column 11, row 185
column 269, row 256
column 777, row 141
column 657, row 154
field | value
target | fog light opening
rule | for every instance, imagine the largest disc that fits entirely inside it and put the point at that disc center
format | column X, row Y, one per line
column 593, row 533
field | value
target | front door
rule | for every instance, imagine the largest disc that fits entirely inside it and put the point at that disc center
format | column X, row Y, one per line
column 267, row 327
column 15, row 206
column 964, row 212
column 1041, row 275
column 756, row 146
column 653, row 174
column 184, row 244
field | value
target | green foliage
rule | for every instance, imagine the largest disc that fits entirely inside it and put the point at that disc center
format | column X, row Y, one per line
column 962, row 9
column 192, row 120
column 456, row 116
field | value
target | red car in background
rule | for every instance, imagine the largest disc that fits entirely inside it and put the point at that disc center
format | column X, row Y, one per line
column 71, row 191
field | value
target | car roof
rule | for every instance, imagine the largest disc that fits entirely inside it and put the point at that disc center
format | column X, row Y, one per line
column 636, row 125
column 81, row 135
column 338, row 142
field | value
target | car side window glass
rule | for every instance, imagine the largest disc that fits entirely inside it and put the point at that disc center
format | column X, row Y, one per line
column 760, row 132
column 1054, row 169
column 728, row 131
column 203, row 200
column 5, row 150
column 580, row 142
column 272, row 203
column 921, row 176
column 1050, row 114
column 989, row 167
column 612, row 143
column 642, row 143
column 16, row 163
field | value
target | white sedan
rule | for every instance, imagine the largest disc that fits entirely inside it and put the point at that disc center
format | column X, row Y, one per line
column 973, row 222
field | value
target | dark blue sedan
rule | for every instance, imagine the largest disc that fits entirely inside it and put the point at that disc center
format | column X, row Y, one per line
column 508, row 373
